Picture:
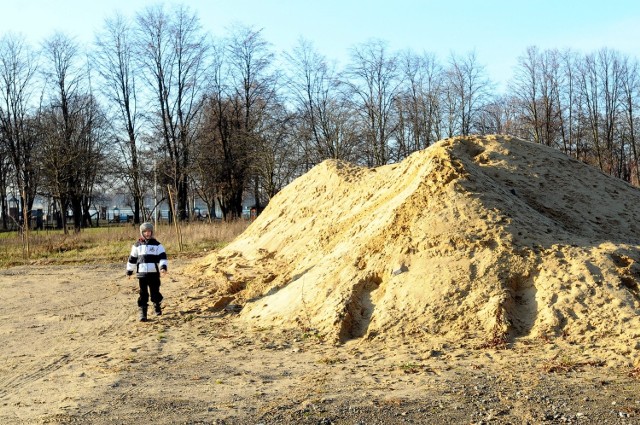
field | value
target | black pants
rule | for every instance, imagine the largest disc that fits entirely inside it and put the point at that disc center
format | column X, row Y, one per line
column 152, row 282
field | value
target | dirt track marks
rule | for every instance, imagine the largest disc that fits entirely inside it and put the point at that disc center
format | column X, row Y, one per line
column 41, row 316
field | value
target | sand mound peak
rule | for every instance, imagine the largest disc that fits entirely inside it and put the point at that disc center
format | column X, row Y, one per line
column 478, row 238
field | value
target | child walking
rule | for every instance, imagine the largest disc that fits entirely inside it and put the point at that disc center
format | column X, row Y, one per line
column 148, row 259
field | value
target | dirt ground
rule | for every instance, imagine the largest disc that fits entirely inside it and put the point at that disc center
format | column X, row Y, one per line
column 73, row 352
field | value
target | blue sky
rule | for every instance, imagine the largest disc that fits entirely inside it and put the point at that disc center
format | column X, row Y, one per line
column 497, row 30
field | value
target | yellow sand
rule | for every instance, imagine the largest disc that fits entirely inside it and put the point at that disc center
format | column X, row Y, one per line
column 475, row 240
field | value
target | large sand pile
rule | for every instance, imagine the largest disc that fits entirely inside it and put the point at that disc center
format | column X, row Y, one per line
column 488, row 239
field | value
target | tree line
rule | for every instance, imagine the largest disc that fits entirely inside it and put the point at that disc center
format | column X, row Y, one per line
column 157, row 103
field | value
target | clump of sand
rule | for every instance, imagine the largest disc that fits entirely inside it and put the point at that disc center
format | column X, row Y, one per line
column 487, row 239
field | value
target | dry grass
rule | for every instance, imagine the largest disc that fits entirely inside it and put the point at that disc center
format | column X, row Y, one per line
column 112, row 243
column 565, row 364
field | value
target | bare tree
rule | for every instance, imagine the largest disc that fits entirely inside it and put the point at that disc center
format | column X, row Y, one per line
column 114, row 61
column 18, row 75
column 320, row 107
column 551, row 82
column 418, row 104
column 499, row 116
column 451, row 109
column 537, row 86
column 5, row 167
column 276, row 158
column 223, row 158
column 253, row 83
column 468, row 90
column 599, row 85
column 93, row 149
column 525, row 87
column 630, row 92
column 567, row 102
column 173, row 51
column 611, row 77
column 374, row 82
column 205, row 172
column 71, row 126
column 58, row 124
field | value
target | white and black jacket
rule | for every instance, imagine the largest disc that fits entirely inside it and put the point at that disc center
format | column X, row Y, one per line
column 147, row 256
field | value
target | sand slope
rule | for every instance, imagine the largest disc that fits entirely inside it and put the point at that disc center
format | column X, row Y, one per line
column 483, row 240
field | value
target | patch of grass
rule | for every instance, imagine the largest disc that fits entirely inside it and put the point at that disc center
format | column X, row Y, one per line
column 111, row 243
column 410, row 367
column 312, row 335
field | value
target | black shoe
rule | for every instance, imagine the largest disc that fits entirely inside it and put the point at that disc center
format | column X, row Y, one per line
column 157, row 308
column 143, row 313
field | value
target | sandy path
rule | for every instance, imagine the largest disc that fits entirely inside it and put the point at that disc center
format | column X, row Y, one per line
column 72, row 348
column 59, row 326
column 73, row 352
